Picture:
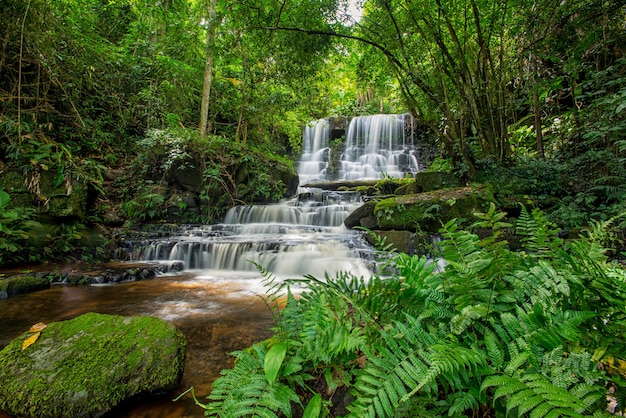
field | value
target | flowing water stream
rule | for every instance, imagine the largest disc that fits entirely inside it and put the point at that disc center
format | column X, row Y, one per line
column 216, row 300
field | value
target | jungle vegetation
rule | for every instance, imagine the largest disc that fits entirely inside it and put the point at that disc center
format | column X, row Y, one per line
column 494, row 333
column 528, row 96
column 87, row 85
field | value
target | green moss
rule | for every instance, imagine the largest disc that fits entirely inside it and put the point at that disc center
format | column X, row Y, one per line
column 429, row 181
column 90, row 364
column 428, row 211
column 16, row 285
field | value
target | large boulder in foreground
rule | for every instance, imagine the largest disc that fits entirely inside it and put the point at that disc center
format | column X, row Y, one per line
column 86, row 366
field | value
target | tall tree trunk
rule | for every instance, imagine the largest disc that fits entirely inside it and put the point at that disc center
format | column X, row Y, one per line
column 208, row 70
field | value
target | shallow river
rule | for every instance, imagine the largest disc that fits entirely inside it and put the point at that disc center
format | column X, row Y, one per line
column 218, row 313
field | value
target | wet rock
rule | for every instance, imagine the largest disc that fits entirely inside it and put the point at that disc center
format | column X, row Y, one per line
column 363, row 211
column 86, row 366
column 429, row 181
column 369, row 222
column 16, row 285
column 188, row 174
column 402, row 241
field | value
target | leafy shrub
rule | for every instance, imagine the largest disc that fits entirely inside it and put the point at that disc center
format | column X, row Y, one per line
column 15, row 225
column 494, row 333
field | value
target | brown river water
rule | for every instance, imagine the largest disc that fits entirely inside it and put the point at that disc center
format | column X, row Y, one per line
column 217, row 314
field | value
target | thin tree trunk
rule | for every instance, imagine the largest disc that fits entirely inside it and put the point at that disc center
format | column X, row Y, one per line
column 19, row 78
column 208, row 71
column 537, row 111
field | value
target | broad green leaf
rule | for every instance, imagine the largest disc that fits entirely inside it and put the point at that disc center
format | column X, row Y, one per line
column 273, row 360
column 4, row 198
column 314, row 407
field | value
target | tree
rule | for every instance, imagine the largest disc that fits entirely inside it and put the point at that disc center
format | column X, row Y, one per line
column 208, row 68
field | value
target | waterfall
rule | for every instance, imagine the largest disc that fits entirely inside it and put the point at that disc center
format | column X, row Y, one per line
column 375, row 147
column 303, row 235
column 378, row 146
column 314, row 161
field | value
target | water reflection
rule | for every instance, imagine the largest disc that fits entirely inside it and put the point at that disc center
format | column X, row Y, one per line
column 217, row 313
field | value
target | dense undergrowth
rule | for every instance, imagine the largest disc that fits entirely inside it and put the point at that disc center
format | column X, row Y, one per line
column 537, row 332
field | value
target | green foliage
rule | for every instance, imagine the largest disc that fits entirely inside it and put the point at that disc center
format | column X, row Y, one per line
column 494, row 333
column 15, row 225
column 144, row 207
column 222, row 173
column 245, row 390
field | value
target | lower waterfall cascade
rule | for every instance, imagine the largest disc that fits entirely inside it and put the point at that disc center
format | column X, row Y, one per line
column 300, row 236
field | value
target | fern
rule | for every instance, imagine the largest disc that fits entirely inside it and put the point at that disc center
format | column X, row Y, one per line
column 539, row 235
column 410, row 362
column 244, row 391
column 495, row 333
column 536, row 395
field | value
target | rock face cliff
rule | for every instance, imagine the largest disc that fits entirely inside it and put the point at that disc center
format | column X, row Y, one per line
column 88, row 365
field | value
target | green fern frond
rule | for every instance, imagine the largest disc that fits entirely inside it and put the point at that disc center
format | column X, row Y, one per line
column 244, row 391
column 460, row 322
column 461, row 402
column 533, row 393
column 539, row 234
column 495, row 351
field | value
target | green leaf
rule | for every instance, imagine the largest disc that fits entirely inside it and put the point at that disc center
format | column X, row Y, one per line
column 314, row 407
column 273, row 360
column 4, row 198
column 59, row 177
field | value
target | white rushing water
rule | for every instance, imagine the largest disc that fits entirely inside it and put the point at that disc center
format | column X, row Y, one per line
column 375, row 147
column 300, row 236
column 303, row 235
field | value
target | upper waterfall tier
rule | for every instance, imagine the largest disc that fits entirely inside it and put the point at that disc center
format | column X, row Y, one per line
column 375, row 146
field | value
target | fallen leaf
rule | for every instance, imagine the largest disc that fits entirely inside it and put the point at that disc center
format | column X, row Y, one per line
column 39, row 326
column 30, row 340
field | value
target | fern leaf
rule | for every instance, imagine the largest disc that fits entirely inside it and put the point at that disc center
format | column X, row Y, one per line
column 495, row 355
column 463, row 401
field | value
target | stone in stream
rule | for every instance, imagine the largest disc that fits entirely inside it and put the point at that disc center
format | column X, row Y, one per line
column 86, row 366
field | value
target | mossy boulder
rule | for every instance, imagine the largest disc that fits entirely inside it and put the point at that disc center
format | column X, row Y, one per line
column 363, row 211
column 402, row 241
column 13, row 182
column 86, row 366
column 16, row 285
column 428, row 211
column 429, row 181
column 63, row 200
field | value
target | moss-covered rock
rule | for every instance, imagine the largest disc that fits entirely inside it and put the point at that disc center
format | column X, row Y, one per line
column 57, row 201
column 427, row 211
column 16, row 285
column 86, row 366
column 363, row 211
column 429, row 181
column 63, row 201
